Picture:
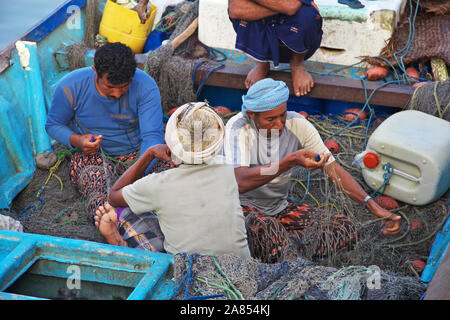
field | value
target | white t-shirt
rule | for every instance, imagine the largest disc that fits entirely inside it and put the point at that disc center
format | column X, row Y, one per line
column 197, row 206
column 246, row 146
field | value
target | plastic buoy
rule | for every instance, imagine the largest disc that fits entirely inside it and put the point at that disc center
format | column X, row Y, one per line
column 352, row 114
column 416, row 226
column 222, row 110
column 171, row 111
column 371, row 160
column 418, row 265
column 332, row 146
column 303, row 113
column 386, row 202
column 376, row 73
column 412, row 72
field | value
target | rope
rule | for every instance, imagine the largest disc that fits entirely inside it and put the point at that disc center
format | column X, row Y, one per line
column 200, row 87
column 388, row 172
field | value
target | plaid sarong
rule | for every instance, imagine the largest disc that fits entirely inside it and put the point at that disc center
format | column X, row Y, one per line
column 140, row 231
column 268, row 235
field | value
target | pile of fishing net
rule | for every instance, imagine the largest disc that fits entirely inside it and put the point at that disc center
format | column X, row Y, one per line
column 173, row 70
column 399, row 253
column 230, row 277
column 432, row 98
column 51, row 205
column 422, row 33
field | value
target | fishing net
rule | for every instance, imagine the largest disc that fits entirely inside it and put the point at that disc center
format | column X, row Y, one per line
column 50, row 204
column 395, row 253
column 173, row 70
column 230, row 277
column 54, row 206
column 419, row 225
column 422, row 34
column 76, row 52
column 432, row 98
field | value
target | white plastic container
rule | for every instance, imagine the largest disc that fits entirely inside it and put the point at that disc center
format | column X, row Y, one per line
column 417, row 145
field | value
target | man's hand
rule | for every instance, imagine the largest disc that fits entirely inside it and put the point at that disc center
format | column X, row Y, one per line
column 307, row 159
column 160, row 151
column 391, row 220
column 88, row 143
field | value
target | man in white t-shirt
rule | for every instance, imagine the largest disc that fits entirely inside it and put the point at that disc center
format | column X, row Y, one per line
column 196, row 203
column 264, row 142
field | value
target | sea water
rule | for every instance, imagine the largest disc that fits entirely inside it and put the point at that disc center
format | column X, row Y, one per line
column 19, row 16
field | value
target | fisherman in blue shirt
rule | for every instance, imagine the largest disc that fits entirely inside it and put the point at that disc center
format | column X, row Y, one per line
column 110, row 113
column 277, row 31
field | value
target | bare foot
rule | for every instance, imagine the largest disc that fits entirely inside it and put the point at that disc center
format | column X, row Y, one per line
column 302, row 81
column 258, row 72
column 106, row 222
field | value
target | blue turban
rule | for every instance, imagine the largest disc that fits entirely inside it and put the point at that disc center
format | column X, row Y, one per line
column 265, row 95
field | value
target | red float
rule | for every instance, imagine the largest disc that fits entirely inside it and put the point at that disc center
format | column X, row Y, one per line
column 386, row 202
column 376, row 73
column 303, row 113
column 171, row 111
column 416, row 226
column 353, row 114
column 332, row 146
column 412, row 72
column 418, row 265
column 222, row 110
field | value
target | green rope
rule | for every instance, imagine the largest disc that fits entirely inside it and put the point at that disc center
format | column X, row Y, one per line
column 239, row 294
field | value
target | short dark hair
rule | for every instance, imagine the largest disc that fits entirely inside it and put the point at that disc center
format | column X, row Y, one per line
column 117, row 60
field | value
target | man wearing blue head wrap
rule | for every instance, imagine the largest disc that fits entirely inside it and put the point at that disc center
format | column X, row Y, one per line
column 264, row 142
column 277, row 31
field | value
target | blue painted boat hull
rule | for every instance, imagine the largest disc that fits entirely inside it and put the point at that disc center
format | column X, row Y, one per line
column 101, row 271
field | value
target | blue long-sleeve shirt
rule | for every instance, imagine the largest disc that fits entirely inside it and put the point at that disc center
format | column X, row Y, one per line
column 133, row 122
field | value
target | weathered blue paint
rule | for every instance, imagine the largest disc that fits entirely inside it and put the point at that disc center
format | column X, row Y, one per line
column 16, row 160
column 149, row 273
column 16, row 262
column 439, row 248
column 54, row 20
column 25, row 97
column 12, row 296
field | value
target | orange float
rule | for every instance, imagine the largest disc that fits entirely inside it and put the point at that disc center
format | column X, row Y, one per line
column 412, row 72
column 222, row 110
column 353, row 114
column 418, row 265
column 376, row 73
column 303, row 113
column 171, row 111
column 386, row 202
column 416, row 226
column 332, row 146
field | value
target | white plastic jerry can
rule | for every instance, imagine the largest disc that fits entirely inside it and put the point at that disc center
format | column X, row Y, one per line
column 410, row 153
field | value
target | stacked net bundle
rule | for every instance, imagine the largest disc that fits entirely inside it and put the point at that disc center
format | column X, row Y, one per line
column 234, row 278
column 432, row 98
